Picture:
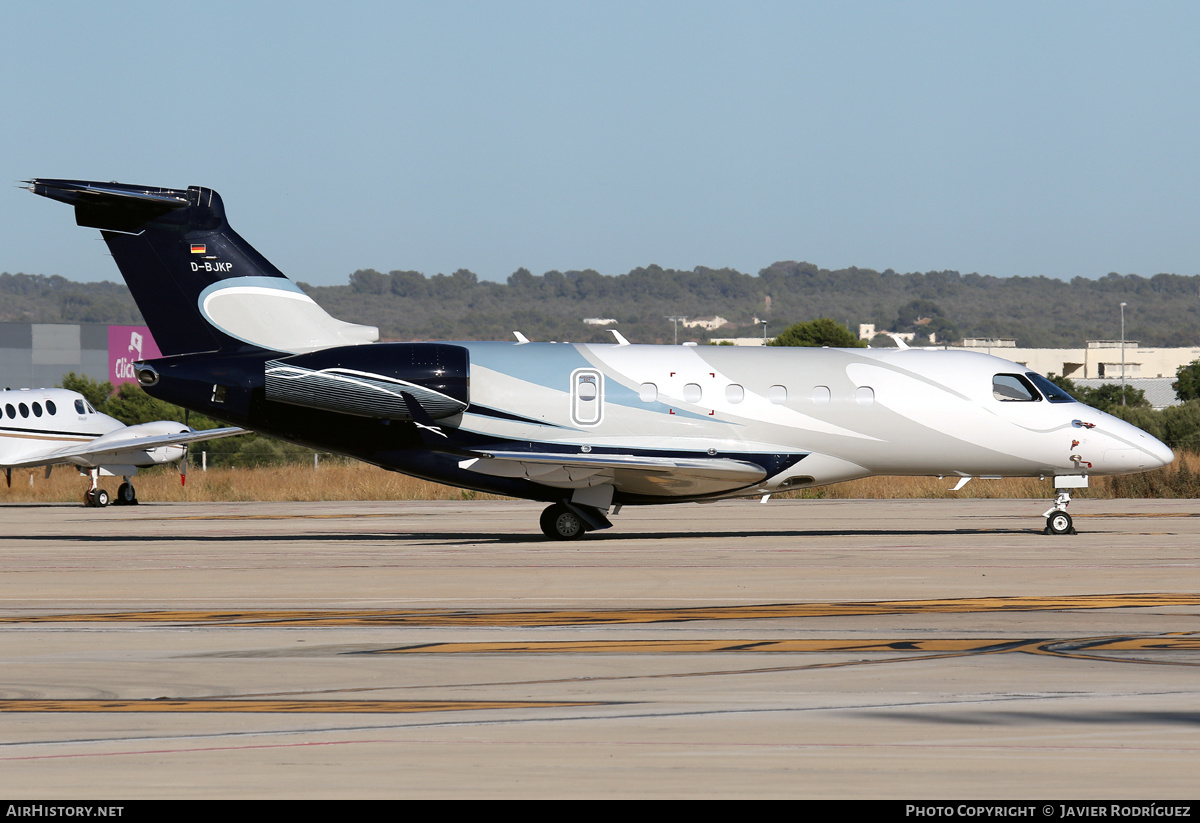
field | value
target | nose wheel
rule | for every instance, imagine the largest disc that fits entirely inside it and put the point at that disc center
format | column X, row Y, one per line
column 1059, row 522
column 95, row 498
column 1057, row 519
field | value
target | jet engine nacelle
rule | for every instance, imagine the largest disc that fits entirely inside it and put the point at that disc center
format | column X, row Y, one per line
column 370, row 381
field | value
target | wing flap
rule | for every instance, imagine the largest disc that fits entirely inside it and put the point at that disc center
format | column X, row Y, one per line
column 634, row 474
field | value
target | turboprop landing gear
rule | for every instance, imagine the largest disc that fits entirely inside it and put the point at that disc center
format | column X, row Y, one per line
column 95, row 497
column 126, row 494
column 1057, row 519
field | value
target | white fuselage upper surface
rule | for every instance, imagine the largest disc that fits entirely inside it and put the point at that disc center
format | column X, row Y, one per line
column 43, row 427
column 35, row 422
column 852, row 412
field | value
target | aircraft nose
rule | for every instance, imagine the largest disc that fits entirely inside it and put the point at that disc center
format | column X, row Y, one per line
column 1158, row 451
column 1132, row 450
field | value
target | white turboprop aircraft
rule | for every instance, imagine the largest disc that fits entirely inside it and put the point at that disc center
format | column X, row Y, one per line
column 585, row 428
column 46, row 427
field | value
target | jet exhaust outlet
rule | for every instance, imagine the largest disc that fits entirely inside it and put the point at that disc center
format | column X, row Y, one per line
column 146, row 375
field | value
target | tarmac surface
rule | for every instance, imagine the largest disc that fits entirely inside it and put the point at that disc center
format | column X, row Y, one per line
column 940, row 649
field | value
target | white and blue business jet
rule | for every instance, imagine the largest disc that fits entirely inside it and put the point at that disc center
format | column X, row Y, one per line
column 584, row 428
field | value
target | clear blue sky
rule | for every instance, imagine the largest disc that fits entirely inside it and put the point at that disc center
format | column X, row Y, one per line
column 1006, row 138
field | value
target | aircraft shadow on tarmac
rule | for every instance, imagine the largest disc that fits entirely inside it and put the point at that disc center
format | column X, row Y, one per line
column 492, row 537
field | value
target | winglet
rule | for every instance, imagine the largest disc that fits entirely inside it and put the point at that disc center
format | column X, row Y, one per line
column 621, row 341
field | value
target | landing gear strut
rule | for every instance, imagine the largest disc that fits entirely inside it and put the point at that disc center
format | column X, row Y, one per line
column 1057, row 519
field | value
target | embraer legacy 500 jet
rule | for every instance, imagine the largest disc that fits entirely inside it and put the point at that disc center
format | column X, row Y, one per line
column 585, row 428
column 45, row 427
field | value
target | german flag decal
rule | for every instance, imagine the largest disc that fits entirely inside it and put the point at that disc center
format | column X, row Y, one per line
column 199, row 248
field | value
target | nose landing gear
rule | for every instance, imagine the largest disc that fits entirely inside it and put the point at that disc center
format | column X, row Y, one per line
column 1057, row 519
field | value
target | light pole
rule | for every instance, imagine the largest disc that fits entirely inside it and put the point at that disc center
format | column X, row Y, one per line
column 1123, row 354
column 764, row 325
column 676, row 320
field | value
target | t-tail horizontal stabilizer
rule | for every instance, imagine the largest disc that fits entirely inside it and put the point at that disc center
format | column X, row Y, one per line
column 199, row 285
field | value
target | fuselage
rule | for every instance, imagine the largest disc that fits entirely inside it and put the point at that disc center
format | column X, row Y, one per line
column 803, row 416
column 853, row 412
column 41, row 424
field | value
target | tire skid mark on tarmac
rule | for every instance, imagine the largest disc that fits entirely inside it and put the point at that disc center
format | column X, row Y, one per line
column 284, row 706
column 576, row 617
column 1174, row 641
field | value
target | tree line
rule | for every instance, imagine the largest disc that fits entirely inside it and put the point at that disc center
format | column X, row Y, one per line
column 1162, row 310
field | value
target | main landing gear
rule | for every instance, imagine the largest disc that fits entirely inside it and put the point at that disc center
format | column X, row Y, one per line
column 126, row 494
column 569, row 520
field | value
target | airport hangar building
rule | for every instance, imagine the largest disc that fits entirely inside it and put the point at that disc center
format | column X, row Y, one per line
column 37, row 355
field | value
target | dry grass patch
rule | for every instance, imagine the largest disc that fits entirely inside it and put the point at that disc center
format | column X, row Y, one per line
column 337, row 479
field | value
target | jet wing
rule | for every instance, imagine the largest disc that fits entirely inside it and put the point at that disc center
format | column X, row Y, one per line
column 635, row 474
column 120, row 443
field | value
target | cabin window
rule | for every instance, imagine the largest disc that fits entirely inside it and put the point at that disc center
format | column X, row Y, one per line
column 864, row 395
column 79, row 406
column 692, row 393
column 24, row 409
column 51, row 408
column 37, row 409
column 821, row 395
column 734, row 393
column 11, row 411
column 1013, row 388
column 648, row 392
column 777, row 395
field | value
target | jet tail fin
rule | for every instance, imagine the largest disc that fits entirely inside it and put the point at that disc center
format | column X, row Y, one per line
column 198, row 284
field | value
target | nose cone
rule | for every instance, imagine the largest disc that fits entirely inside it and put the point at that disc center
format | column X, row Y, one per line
column 1129, row 449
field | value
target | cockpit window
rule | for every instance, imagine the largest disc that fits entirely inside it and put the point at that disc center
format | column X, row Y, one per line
column 1013, row 388
column 79, row 406
column 1053, row 393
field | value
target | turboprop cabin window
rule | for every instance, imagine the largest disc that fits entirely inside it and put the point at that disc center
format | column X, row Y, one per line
column 1013, row 388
